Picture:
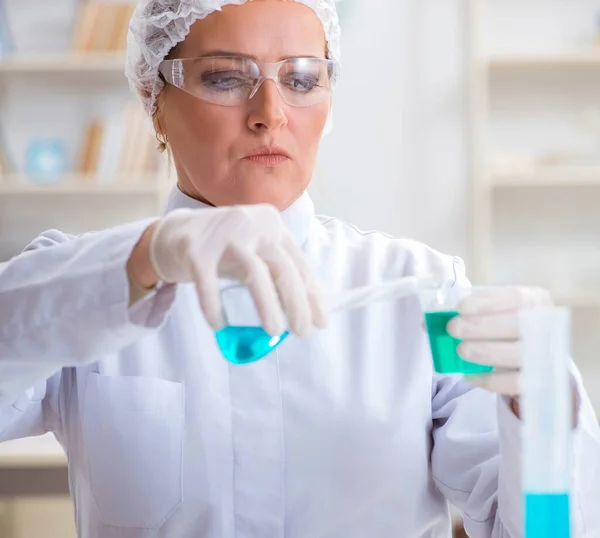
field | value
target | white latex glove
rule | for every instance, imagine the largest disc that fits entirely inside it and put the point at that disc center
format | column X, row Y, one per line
column 246, row 243
column 488, row 324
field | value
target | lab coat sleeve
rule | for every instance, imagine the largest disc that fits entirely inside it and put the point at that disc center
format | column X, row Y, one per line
column 65, row 302
column 476, row 461
column 465, row 458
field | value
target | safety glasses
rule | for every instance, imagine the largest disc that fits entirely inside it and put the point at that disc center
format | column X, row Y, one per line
column 233, row 80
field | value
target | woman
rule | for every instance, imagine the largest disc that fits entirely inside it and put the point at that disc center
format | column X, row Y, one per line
column 107, row 339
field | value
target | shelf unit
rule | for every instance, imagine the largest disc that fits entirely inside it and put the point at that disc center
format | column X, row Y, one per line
column 108, row 63
column 558, row 176
column 487, row 181
column 539, row 61
column 79, row 184
column 73, row 71
column 20, row 185
column 582, row 301
column 528, row 218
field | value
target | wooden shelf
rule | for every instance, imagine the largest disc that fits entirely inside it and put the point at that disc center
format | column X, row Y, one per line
column 77, row 184
column 558, row 176
column 34, row 452
column 63, row 63
column 589, row 58
column 579, row 301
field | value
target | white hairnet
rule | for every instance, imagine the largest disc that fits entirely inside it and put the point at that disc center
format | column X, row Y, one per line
column 158, row 25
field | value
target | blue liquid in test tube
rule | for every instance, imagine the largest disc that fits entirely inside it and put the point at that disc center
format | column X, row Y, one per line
column 547, row 515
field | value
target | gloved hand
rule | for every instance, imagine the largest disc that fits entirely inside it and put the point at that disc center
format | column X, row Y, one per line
column 246, row 243
column 488, row 324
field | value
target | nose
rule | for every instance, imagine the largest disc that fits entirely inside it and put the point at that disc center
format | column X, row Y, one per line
column 267, row 111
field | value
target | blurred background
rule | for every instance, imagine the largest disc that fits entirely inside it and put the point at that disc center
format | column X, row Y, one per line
column 471, row 125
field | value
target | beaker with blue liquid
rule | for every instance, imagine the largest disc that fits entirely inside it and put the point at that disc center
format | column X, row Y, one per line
column 243, row 339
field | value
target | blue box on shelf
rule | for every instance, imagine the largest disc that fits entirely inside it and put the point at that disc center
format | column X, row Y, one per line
column 45, row 160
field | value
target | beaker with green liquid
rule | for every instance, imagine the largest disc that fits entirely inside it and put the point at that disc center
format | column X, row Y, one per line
column 439, row 307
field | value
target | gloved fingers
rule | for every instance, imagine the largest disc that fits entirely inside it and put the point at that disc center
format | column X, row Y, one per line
column 255, row 274
column 207, row 286
column 291, row 288
column 498, row 354
column 485, row 327
column 503, row 300
column 267, row 218
column 311, row 283
column 508, row 383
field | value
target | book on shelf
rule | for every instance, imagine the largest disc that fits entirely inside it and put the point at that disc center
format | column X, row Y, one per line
column 102, row 26
column 6, row 38
column 7, row 165
column 122, row 147
column 92, row 141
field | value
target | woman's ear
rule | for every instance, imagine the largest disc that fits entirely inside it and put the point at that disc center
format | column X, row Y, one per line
column 158, row 123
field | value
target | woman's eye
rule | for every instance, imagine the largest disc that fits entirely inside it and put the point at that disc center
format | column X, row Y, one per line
column 225, row 80
column 301, row 83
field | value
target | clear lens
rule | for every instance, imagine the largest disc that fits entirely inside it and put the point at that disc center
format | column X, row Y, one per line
column 231, row 81
column 304, row 81
column 223, row 81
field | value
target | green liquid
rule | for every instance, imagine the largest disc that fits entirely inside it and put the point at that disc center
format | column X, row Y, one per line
column 243, row 345
column 443, row 347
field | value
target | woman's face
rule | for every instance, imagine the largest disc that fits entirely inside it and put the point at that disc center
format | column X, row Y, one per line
column 211, row 143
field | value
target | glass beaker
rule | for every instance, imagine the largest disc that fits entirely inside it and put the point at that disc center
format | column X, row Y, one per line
column 439, row 307
column 243, row 340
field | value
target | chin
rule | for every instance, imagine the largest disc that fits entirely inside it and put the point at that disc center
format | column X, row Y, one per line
column 278, row 192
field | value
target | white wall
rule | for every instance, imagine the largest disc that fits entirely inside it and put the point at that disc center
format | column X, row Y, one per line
column 396, row 159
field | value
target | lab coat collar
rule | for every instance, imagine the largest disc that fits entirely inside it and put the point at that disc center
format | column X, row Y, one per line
column 298, row 217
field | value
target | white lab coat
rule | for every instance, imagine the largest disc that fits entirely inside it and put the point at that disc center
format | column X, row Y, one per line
column 348, row 433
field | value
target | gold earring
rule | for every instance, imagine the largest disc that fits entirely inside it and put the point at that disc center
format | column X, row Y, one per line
column 163, row 142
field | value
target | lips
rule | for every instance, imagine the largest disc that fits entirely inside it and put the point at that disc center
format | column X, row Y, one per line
column 268, row 151
column 268, row 156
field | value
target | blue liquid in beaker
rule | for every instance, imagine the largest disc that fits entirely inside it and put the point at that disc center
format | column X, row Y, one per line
column 243, row 345
column 547, row 515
